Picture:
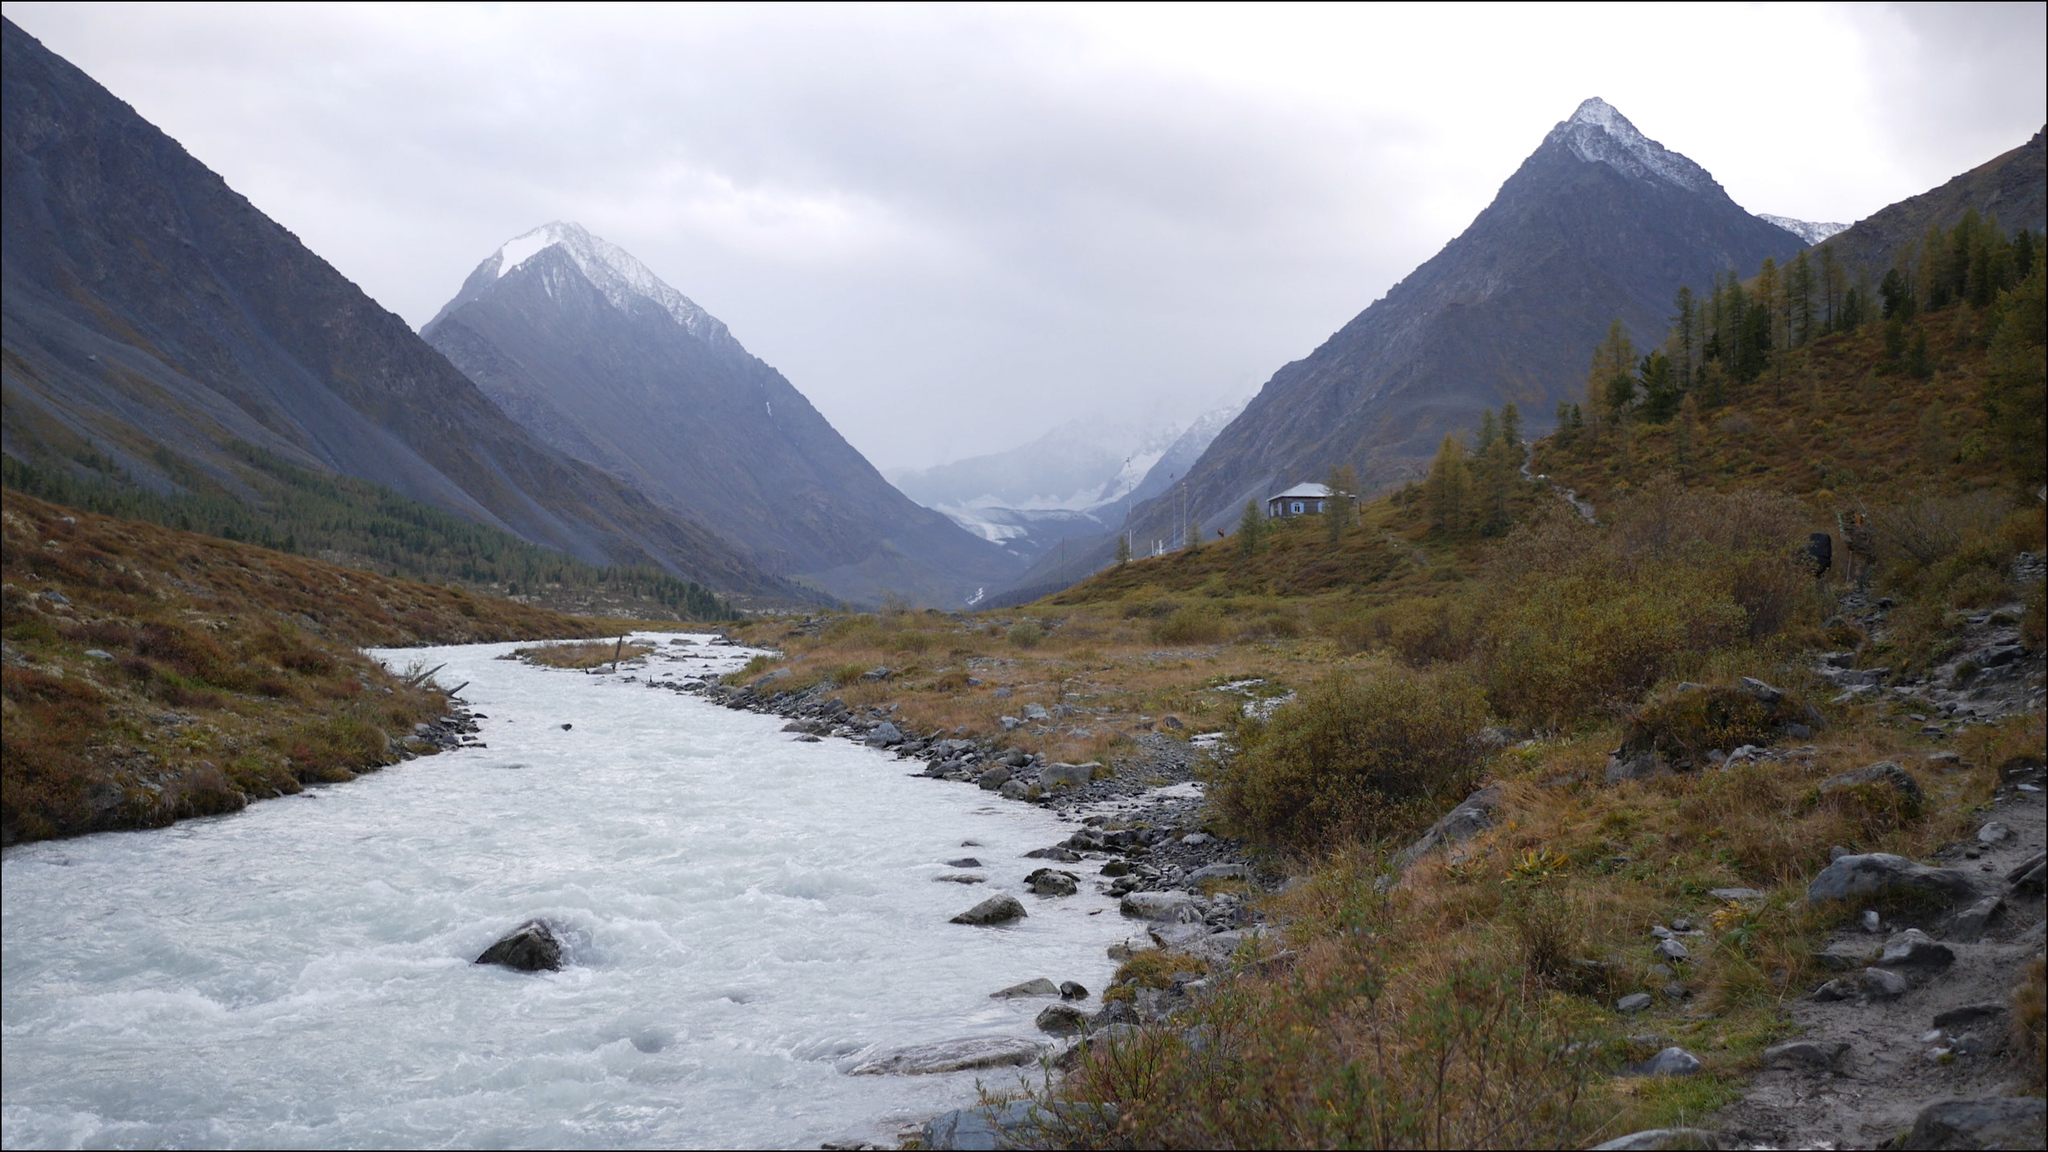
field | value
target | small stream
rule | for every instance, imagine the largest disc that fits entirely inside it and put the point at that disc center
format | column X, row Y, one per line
column 744, row 913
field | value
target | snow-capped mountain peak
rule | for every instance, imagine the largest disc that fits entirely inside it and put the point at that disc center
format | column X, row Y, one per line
column 613, row 270
column 1811, row 231
column 1599, row 134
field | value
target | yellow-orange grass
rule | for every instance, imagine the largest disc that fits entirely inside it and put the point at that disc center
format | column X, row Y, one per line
column 583, row 654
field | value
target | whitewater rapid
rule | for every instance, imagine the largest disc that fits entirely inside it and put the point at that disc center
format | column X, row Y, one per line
column 744, row 913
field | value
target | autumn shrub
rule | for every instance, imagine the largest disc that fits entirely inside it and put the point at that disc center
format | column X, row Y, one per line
column 1591, row 643
column 1687, row 721
column 1945, row 551
column 1432, row 631
column 1355, row 757
column 1189, row 625
column 1027, row 634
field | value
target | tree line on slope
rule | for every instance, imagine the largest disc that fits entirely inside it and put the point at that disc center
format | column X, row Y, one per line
column 349, row 521
column 1740, row 337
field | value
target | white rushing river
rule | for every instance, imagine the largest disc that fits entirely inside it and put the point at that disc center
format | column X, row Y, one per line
column 743, row 911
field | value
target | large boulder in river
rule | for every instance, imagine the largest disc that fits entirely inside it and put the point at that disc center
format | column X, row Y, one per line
column 531, row 947
column 950, row 1056
column 1879, row 874
column 994, row 910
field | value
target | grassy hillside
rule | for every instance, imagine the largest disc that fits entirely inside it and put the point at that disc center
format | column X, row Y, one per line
column 1473, row 1003
column 153, row 674
column 1843, row 423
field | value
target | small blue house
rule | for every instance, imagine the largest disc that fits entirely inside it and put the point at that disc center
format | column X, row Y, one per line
column 1299, row 500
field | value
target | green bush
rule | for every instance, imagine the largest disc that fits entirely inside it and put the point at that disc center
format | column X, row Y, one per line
column 1027, row 635
column 1355, row 758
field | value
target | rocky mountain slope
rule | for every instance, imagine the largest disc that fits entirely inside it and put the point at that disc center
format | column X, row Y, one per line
column 2012, row 185
column 581, row 344
column 153, row 316
column 1599, row 222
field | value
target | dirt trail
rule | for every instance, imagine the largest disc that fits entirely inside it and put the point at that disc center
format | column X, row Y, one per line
column 1892, row 1068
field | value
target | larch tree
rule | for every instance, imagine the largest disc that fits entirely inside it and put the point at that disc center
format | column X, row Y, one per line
column 1249, row 526
column 1343, row 485
column 1614, row 357
column 1448, row 488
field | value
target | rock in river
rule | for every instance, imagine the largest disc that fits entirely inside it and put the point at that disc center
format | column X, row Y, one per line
column 1061, row 1018
column 1052, row 882
column 531, row 947
column 950, row 1056
column 994, row 910
column 1038, row 987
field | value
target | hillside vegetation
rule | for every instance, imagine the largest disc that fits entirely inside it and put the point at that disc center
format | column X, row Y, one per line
column 153, row 674
column 1469, row 1000
column 345, row 520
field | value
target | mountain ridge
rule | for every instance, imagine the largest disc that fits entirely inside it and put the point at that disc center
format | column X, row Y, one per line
column 1599, row 222
column 582, row 345
column 150, row 308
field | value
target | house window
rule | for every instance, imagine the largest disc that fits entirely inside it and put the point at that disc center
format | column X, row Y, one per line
column 1297, row 506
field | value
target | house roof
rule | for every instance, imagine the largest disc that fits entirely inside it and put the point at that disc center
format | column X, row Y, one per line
column 1302, row 492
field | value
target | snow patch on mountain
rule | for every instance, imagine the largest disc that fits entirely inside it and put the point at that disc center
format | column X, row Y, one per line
column 1079, row 480
column 1599, row 134
column 1811, row 231
column 614, row 272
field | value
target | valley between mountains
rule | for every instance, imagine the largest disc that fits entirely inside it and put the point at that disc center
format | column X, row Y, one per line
column 1594, row 699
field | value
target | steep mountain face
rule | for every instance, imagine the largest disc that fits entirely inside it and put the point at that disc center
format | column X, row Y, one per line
column 150, row 309
column 2013, row 186
column 577, row 341
column 1600, row 222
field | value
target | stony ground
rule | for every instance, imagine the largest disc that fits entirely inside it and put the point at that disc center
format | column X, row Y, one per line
column 1899, row 1055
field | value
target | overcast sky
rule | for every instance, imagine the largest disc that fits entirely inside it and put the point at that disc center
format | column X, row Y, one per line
column 956, row 227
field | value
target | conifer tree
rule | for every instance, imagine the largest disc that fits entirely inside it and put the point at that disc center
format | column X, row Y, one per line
column 1830, row 288
column 1343, row 485
column 1683, row 428
column 1612, row 360
column 1194, row 534
column 1123, row 549
column 2015, row 390
column 1448, row 488
column 1800, row 299
column 1683, row 336
column 1660, row 391
column 1249, row 526
column 1511, row 428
